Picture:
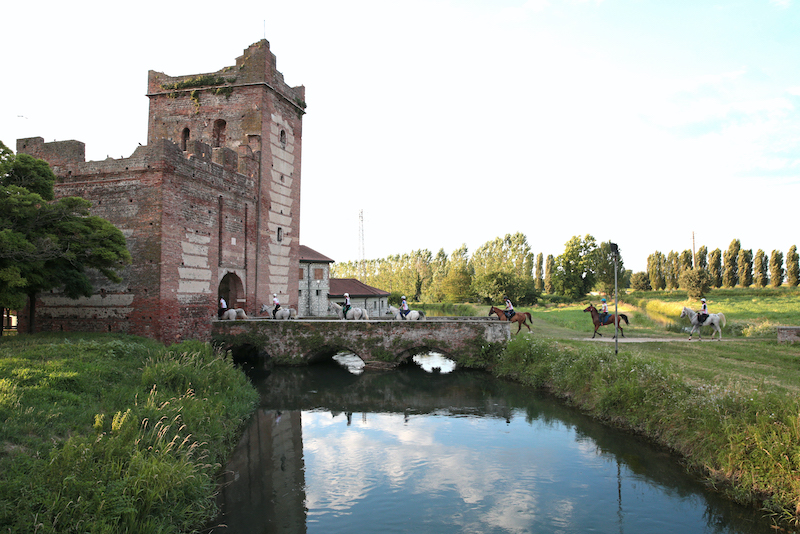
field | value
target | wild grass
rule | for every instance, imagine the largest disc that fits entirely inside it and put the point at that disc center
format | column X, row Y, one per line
column 113, row 434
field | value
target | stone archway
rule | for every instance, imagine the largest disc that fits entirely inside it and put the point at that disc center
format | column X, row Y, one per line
column 232, row 290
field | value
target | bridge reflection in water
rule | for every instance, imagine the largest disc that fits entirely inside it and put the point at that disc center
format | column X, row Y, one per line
column 410, row 450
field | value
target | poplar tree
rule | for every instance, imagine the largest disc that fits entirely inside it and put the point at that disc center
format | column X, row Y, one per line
column 549, row 269
column 715, row 268
column 672, row 270
column 701, row 259
column 655, row 270
column 776, row 268
column 730, row 275
column 792, row 267
column 540, row 272
column 760, row 275
column 745, row 268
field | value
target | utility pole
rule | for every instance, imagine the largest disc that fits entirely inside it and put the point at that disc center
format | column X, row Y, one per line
column 361, row 257
column 615, row 252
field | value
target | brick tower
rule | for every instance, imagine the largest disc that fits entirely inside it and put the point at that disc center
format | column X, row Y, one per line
column 210, row 206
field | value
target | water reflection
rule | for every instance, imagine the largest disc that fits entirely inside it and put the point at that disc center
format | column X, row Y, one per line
column 412, row 450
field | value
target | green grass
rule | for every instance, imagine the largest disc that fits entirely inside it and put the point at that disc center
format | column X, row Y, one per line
column 729, row 408
column 109, row 433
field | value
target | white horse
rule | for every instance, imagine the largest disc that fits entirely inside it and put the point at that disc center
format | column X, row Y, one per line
column 713, row 320
column 232, row 314
column 282, row 313
column 352, row 313
column 413, row 315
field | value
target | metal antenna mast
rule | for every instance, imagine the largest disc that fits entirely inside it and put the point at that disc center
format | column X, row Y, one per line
column 361, row 257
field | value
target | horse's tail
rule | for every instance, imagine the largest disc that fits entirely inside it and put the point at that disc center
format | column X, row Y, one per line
column 528, row 315
column 624, row 318
column 366, row 317
column 421, row 315
column 722, row 316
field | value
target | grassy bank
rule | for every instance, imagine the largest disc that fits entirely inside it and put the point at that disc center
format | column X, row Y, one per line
column 114, row 434
column 731, row 409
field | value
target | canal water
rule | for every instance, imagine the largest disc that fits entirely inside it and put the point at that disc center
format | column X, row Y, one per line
column 430, row 449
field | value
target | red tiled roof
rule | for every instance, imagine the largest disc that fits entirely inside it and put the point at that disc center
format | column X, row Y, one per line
column 340, row 286
column 309, row 255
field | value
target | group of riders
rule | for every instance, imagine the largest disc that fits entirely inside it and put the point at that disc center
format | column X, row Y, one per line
column 702, row 313
column 223, row 306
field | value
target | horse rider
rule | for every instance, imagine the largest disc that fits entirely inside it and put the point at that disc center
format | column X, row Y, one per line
column 509, row 311
column 223, row 306
column 277, row 304
column 404, row 309
column 347, row 305
column 603, row 311
column 702, row 315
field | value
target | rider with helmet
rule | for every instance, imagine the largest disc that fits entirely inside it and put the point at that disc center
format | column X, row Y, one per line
column 404, row 309
column 509, row 311
column 277, row 304
column 603, row 311
column 347, row 305
column 702, row 315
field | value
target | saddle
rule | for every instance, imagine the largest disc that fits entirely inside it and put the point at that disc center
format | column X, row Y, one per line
column 509, row 314
column 701, row 318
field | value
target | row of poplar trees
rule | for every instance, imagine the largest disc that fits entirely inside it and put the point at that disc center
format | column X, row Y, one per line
column 502, row 266
column 731, row 268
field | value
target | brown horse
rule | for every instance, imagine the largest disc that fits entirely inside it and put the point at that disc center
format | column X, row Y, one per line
column 609, row 320
column 519, row 318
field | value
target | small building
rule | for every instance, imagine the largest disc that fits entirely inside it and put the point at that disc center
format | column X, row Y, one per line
column 312, row 299
column 374, row 300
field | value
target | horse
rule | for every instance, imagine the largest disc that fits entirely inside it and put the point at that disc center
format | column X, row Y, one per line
column 352, row 313
column 282, row 313
column 712, row 320
column 413, row 315
column 519, row 318
column 232, row 314
column 608, row 320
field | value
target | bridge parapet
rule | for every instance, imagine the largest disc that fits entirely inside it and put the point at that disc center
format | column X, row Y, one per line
column 380, row 343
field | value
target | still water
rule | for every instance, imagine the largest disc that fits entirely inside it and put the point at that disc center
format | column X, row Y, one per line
column 430, row 449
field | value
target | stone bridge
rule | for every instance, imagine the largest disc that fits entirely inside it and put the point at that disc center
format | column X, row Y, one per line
column 381, row 344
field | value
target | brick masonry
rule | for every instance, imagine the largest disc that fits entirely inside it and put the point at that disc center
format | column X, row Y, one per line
column 209, row 207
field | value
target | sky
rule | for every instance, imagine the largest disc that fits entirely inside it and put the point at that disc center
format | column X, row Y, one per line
column 654, row 124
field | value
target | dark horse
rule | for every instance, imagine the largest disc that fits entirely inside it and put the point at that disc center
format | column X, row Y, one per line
column 609, row 320
column 519, row 318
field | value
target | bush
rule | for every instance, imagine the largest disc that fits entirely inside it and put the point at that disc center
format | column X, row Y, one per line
column 696, row 282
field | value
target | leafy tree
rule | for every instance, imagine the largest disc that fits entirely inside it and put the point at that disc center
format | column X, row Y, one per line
column 457, row 284
column 640, row 281
column 575, row 268
column 604, row 269
column 701, row 259
column 655, row 270
column 760, row 274
column 792, row 267
column 685, row 262
column 550, row 268
column 671, row 270
column 47, row 245
column 539, row 273
column 730, row 275
column 745, row 268
column 492, row 287
column 715, row 268
column 696, row 282
column 776, row 268
column 439, row 267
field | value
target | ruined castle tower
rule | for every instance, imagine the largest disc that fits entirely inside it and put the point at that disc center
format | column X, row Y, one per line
column 210, row 206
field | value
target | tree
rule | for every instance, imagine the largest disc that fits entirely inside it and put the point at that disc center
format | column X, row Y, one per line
column 457, row 284
column 655, row 270
column 511, row 256
column 604, row 271
column 439, row 267
column 539, row 273
column 671, row 270
column 47, row 245
column 696, row 282
column 640, row 281
column 760, row 265
column 575, row 268
column 792, row 267
column 745, row 268
column 701, row 259
column 776, row 268
column 715, row 268
column 550, row 268
column 730, row 274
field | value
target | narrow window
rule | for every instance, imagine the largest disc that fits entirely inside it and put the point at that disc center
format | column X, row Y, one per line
column 280, row 234
column 302, row 273
column 318, row 274
column 283, row 139
column 219, row 133
column 185, row 139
